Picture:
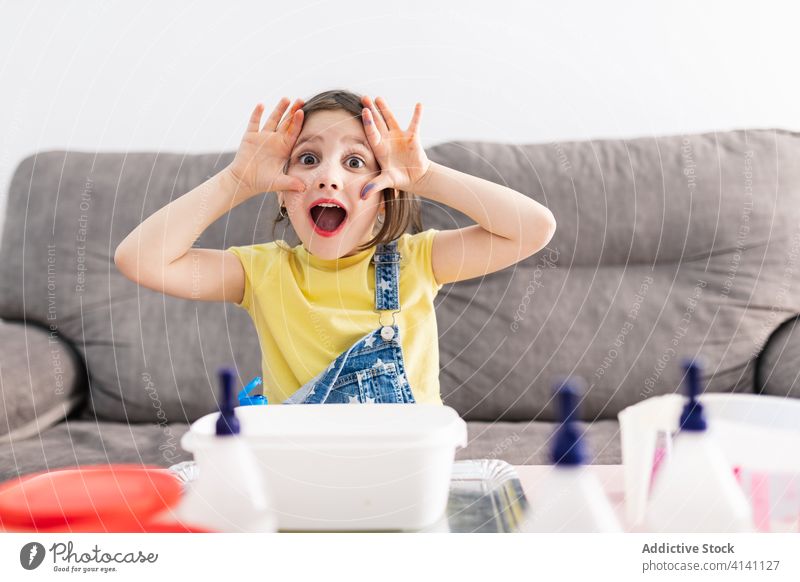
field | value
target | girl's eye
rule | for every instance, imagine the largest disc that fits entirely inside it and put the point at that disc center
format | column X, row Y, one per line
column 304, row 157
column 357, row 160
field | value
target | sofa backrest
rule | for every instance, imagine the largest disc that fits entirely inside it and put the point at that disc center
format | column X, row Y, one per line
column 665, row 247
column 150, row 357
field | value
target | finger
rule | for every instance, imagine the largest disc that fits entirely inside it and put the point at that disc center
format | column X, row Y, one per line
column 277, row 113
column 373, row 135
column 377, row 185
column 380, row 123
column 295, row 126
column 290, row 184
column 391, row 122
column 255, row 118
column 298, row 103
column 413, row 127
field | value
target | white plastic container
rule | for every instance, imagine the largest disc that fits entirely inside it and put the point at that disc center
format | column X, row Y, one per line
column 756, row 432
column 342, row 467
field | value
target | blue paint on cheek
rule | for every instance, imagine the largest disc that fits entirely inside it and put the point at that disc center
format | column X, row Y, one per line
column 366, row 189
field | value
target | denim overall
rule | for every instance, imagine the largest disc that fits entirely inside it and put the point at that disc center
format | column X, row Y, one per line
column 372, row 370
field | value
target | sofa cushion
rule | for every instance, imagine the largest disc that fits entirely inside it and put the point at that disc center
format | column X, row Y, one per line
column 778, row 366
column 82, row 442
column 665, row 247
column 42, row 380
column 529, row 443
column 150, row 357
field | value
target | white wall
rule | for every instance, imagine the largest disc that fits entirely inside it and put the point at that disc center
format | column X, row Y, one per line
column 183, row 76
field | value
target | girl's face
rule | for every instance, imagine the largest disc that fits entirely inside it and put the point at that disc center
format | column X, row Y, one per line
column 333, row 158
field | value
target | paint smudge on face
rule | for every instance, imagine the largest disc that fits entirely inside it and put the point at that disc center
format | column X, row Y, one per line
column 366, row 189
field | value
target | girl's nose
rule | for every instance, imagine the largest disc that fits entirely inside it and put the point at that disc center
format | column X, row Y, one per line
column 329, row 181
column 329, row 178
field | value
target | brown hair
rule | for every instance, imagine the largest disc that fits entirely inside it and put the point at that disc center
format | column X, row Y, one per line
column 399, row 212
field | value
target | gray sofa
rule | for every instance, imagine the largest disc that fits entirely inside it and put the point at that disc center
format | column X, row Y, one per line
column 666, row 246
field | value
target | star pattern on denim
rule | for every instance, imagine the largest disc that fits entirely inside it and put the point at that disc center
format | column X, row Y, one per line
column 353, row 400
column 370, row 400
column 369, row 341
column 384, row 285
column 378, row 363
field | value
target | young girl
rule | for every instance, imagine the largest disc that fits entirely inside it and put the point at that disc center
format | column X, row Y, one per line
column 347, row 315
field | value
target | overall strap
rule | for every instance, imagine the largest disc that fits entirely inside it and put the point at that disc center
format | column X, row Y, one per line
column 387, row 276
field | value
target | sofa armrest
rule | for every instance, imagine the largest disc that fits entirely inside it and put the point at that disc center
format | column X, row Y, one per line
column 777, row 369
column 42, row 380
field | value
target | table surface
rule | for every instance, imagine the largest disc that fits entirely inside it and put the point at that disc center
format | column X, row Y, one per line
column 610, row 477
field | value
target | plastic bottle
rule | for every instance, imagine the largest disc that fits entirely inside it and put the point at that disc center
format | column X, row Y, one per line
column 247, row 399
column 695, row 489
column 229, row 494
column 570, row 497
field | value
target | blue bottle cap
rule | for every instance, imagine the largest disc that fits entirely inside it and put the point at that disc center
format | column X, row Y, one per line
column 227, row 423
column 246, row 399
column 568, row 449
column 693, row 418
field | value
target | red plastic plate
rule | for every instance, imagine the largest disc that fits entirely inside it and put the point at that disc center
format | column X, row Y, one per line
column 101, row 496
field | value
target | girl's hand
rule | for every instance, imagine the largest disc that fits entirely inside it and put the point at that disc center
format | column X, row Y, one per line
column 262, row 155
column 399, row 153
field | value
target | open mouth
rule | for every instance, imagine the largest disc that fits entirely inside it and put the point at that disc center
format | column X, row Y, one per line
column 327, row 217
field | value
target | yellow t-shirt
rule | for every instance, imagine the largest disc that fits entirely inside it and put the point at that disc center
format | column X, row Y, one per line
column 308, row 310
